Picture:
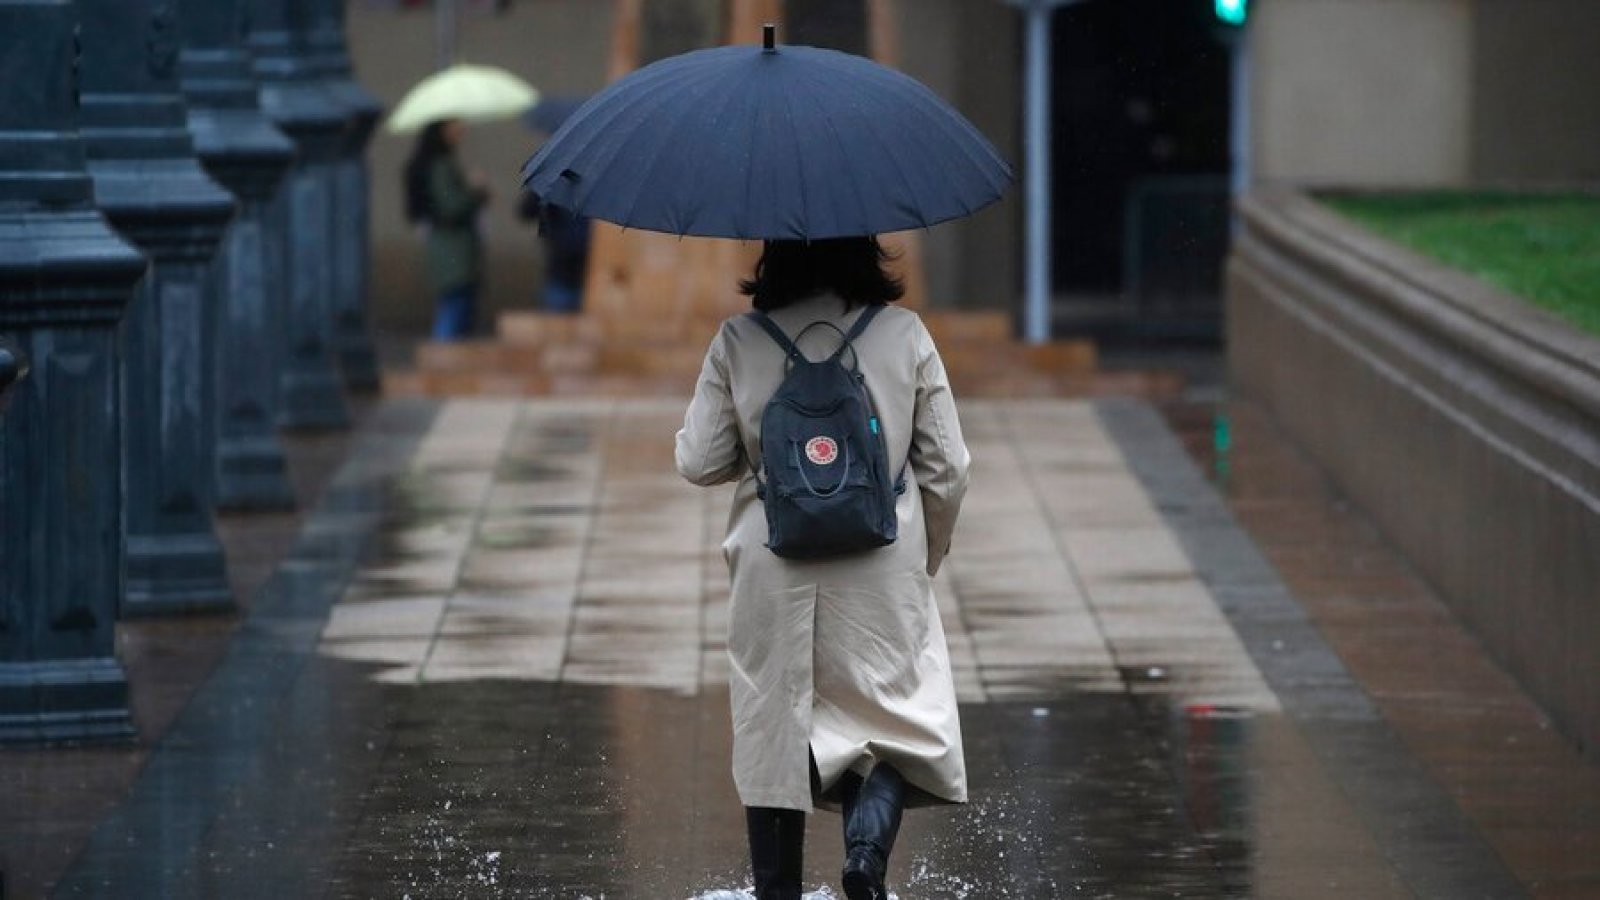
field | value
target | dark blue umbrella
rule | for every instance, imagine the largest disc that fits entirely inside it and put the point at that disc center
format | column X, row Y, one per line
column 768, row 143
column 550, row 113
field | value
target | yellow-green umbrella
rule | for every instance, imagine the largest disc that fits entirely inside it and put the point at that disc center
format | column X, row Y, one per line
column 470, row 93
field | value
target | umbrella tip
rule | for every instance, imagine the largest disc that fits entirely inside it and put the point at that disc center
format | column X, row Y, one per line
column 769, row 37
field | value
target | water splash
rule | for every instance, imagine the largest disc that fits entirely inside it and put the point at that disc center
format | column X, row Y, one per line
column 822, row 893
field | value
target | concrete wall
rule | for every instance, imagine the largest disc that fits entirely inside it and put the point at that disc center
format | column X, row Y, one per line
column 1426, row 92
column 966, row 50
column 560, row 46
column 1371, row 92
column 1536, row 90
column 1463, row 421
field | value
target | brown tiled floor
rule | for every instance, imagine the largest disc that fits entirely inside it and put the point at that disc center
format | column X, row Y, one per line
column 1517, row 779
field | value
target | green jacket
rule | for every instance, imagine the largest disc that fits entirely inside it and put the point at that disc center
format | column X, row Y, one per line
column 455, row 252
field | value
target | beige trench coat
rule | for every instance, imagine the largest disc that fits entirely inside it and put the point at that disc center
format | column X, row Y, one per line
column 847, row 656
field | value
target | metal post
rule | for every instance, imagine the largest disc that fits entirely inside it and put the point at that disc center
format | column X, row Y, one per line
column 1239, row 124
column 65, row 280
column 445, row 26
column 244, row 151
column 293, row 96
column 348, row 328
column 152, row 189
column 1037, row 299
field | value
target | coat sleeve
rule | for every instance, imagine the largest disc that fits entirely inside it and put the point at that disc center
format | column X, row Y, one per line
column 710, row 450
column 939, row 457
column 453, row 202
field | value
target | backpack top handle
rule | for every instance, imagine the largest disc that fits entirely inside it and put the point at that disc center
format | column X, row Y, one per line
column 791, row 348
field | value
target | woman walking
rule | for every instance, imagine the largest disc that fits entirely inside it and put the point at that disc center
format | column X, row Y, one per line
column 840, row 681
column 444, row 198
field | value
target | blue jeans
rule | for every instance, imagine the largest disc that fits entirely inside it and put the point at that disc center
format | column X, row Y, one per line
column 452, row 318
column 561, row 298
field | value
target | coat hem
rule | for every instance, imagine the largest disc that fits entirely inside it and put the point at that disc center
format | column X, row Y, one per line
column 773, row 800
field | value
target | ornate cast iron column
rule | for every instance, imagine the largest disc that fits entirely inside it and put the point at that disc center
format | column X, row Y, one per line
column 351, row 242
column 242, row 149
column 292, row 95
column 152, row 189
column 65, row 280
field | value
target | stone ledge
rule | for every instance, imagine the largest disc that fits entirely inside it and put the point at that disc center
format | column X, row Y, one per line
column 1464, row 421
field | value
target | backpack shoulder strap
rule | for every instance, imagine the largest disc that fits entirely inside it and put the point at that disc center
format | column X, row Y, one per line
column 771, row 328
column 868, row 314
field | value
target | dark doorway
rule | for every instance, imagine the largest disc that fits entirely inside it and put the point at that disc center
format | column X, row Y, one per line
column 1141, row 161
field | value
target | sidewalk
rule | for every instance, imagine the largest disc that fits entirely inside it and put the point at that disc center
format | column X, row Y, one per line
column 493, row 666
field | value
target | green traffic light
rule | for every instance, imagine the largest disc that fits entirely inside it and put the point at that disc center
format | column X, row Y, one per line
column 1233, row 12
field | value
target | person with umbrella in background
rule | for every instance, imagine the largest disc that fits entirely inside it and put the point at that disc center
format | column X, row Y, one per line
column 565, row 234
column 443, row 196
column 846, row 450
column 445, row 199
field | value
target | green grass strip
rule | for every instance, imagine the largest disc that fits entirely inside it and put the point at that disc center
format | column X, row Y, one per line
column 1545, row 248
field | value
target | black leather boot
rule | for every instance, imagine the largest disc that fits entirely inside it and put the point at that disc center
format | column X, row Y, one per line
column 777, row 851
column 871, row 822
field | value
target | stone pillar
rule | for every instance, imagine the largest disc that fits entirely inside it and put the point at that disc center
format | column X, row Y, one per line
column 152, row 189
column 294, row 98
column 65, row 280
column 242, row 149
column 352, row 248
column 13, row 368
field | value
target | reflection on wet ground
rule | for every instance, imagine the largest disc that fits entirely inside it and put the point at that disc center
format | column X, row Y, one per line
column 518, row 691
column 567, row 791
column 553, row 541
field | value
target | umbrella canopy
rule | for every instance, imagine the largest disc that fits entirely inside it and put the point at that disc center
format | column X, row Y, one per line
column 776, row 143
column 471, row 93
column 550, row 113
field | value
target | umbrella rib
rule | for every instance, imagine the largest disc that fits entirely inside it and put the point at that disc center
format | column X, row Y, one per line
column 893, row 154
column 660, row 150
column 935, row 111
column 584, row 129
column 800, row 169
column 694, row 213
column 601, row 106
column 602, row 128
column 844, row 149
column 932, row 111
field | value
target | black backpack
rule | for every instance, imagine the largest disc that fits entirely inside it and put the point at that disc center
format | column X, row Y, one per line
column 828, row 489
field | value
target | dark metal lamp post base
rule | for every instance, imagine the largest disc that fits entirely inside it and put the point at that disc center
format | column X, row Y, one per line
column 176, row 574
column 253, row 475
column 358, row 360
column 64, row 700
column 313, row 400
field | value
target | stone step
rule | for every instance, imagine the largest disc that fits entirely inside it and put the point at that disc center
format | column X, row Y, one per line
column 539, row 329
column 575, row 358
column 999, row 383
column 598, row 353
column 952, row 327
column 542, row 329
column 961, row 359
column 499, row 384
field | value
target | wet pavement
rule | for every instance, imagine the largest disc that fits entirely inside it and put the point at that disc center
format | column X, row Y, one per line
column 493, row 665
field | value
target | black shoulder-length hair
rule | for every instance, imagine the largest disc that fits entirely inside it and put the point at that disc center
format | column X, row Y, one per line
column 431, row 144
column 852, row 268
